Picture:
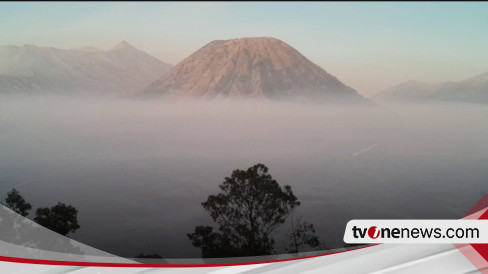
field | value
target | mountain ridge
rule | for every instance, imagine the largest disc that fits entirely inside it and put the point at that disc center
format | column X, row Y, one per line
column 470, row 90
column 120, row 70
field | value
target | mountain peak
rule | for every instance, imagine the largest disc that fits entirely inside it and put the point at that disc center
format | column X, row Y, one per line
column 254, row 40
column 248, row 40
column 123, row 45
column 254, row 67
column 255, row 44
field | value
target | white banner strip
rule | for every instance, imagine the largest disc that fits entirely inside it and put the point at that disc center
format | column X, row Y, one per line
column 416, row 231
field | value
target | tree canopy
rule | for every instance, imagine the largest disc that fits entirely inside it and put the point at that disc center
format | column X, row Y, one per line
column 302, row 235
column 249, row 208
column 60, row 218
column 17, row 203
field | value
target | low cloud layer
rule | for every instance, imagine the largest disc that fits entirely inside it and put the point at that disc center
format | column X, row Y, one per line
column 138, row 170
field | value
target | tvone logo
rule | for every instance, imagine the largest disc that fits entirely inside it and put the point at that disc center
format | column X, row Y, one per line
column 373, row 232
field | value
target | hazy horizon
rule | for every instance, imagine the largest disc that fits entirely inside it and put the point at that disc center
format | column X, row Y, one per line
column 368, row 46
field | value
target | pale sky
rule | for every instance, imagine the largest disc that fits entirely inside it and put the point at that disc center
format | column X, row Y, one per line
column 369, row 46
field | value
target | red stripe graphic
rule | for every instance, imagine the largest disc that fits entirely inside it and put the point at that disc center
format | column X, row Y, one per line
column 482, row 249
column 99, row 264
column 477, row 254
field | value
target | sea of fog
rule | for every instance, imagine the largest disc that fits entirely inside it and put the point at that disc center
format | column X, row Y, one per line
column 137, row 171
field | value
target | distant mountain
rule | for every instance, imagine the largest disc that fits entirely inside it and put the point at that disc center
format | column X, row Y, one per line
column 471, row 90
column 264, row 68
column 119, row 71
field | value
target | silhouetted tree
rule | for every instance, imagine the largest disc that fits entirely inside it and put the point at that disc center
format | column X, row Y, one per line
column 60, row 218
column 15, row 230
column 16, row 202
column 302, row 238
column 212, row 244
column 249, row 208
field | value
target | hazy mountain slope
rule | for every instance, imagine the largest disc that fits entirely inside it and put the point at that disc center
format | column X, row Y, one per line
column 121, row 70
column 265, row 68
column 471, row 90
